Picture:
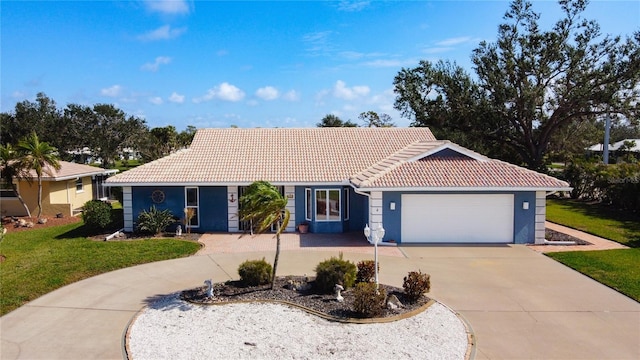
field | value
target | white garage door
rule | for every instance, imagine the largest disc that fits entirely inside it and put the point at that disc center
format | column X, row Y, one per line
column 459, row 218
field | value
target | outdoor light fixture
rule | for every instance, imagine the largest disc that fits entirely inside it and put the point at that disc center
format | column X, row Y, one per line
column 525, row 205
column 392, row 205
column 374, row 237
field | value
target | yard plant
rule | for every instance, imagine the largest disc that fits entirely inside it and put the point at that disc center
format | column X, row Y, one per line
column 39, row 261
column 154, row 221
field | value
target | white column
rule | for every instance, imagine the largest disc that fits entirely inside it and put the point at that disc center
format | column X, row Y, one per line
column 541, row 209
column 290, row 194
column 375, row 210
column 233, row 223
column 127, row 207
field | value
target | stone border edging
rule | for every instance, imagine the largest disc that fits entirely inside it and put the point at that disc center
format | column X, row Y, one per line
column 471, row 344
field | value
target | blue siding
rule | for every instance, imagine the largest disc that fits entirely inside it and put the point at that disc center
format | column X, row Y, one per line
column 174, row 201
column 358, row 206
column 523, row 220
column 212, row 206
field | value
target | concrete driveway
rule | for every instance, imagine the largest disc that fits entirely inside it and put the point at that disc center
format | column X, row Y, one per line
column 519, row 303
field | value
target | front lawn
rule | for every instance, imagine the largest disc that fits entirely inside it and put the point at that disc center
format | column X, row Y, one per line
column 41, row 260
column 616, row 225
column 618, row 269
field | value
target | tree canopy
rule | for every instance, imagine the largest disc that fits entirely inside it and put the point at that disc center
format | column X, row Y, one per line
column 331, row 120
column 528, row 85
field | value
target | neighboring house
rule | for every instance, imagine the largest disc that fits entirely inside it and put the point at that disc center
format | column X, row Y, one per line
column 599, row 148
column 63, row 192
column 338, row 179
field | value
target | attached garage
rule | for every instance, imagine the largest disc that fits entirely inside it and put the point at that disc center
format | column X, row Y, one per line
column 457, row 218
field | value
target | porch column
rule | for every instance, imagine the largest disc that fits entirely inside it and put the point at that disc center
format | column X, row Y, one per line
column 541, row 210
column 375, row 209
column 233, row 223
column 290, row 194
column 127, row 207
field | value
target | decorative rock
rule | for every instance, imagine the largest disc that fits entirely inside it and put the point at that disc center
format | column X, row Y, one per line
column 29, row 224
column 59, row 215
column 394, row 303
column 21, row 223
column 297, row 285
column 42, row 221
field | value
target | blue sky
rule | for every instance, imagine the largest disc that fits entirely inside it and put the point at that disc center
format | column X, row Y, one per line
column 250, row 64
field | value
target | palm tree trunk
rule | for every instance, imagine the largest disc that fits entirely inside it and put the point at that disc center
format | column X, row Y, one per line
column 39, row 196
column 24, row 204
column 275, row 261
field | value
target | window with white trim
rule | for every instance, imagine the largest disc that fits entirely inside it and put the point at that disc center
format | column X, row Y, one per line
column 191, row 195
column 79, row 185
column 346, row 204
column 328, row 206
column 308, row 204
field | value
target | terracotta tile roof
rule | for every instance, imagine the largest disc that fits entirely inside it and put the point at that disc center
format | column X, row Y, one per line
column 456, row 169
column 310, row 155
column 69, row 170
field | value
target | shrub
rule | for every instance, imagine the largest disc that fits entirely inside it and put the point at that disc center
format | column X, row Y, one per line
column 96, row 214
column 255, row 272
column 415, row 285
column 334, row 271
column 366, row 271
column 154, row 221
column 369, row 302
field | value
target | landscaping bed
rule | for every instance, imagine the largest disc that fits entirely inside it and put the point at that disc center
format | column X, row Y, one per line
column 285, row 290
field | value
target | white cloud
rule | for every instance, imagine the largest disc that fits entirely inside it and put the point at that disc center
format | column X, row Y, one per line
column 112, row 91
column 380, row 63
column 168, row 6
column 318, row 43
column 224, row 91
column 162, row 33
column 154, row 66
column 176, row 98
column 267, row 93
column 341, row 91
column 346, row 5
column 291, row 95
column 454, row 41
column 156, row 100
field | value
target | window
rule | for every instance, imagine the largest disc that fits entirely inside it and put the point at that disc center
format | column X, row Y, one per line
column 328, row 205
column 191, row 202
column 79, row 185
column 308, row 204
column 346, row 204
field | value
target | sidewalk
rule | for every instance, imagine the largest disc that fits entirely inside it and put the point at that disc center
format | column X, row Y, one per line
column 595, row 242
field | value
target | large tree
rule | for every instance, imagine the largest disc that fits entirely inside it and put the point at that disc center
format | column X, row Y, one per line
column 263, row 206
column 331, row 120
column 40, row 157
column 528, row 85
column 372, row 119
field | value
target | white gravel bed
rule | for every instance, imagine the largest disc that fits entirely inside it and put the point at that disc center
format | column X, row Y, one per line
column 174, row 329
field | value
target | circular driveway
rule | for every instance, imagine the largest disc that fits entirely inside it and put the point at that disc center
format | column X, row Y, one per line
column 519, row 303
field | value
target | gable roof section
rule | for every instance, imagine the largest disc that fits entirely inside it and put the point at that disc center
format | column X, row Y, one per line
column 69, row 170
column 282, row 155
column 419, row 167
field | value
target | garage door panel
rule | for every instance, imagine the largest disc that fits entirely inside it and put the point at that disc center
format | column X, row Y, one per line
column 457, row 218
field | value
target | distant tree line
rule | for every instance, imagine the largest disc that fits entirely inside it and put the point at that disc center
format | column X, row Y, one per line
column 102, row 128
column 368, row 119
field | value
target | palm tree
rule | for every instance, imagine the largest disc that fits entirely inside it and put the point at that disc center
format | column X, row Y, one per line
column 40, row 157
column 263, row 206
column 12, row 170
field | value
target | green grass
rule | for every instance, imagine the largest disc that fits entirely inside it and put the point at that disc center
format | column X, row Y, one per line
column 616, row 225
column 40, row 261
column 618, row 269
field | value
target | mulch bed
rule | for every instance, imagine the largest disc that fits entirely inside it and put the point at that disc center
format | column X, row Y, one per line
column 233, row 291
column 9, row 224
column 552, row 235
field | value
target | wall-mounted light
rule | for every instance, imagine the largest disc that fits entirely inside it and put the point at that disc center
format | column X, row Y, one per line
column 525, row 205
column 392, row 205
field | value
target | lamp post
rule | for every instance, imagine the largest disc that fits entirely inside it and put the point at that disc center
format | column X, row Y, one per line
column 375, row 236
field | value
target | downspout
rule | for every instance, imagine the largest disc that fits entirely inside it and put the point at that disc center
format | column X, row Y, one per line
column 368, row 195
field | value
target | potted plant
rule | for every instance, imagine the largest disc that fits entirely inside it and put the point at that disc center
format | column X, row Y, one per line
column 303, row 228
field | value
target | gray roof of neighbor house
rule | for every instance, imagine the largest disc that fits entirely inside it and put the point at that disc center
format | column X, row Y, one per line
column 617, row 145
column 364, row 157
column 69, row 170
